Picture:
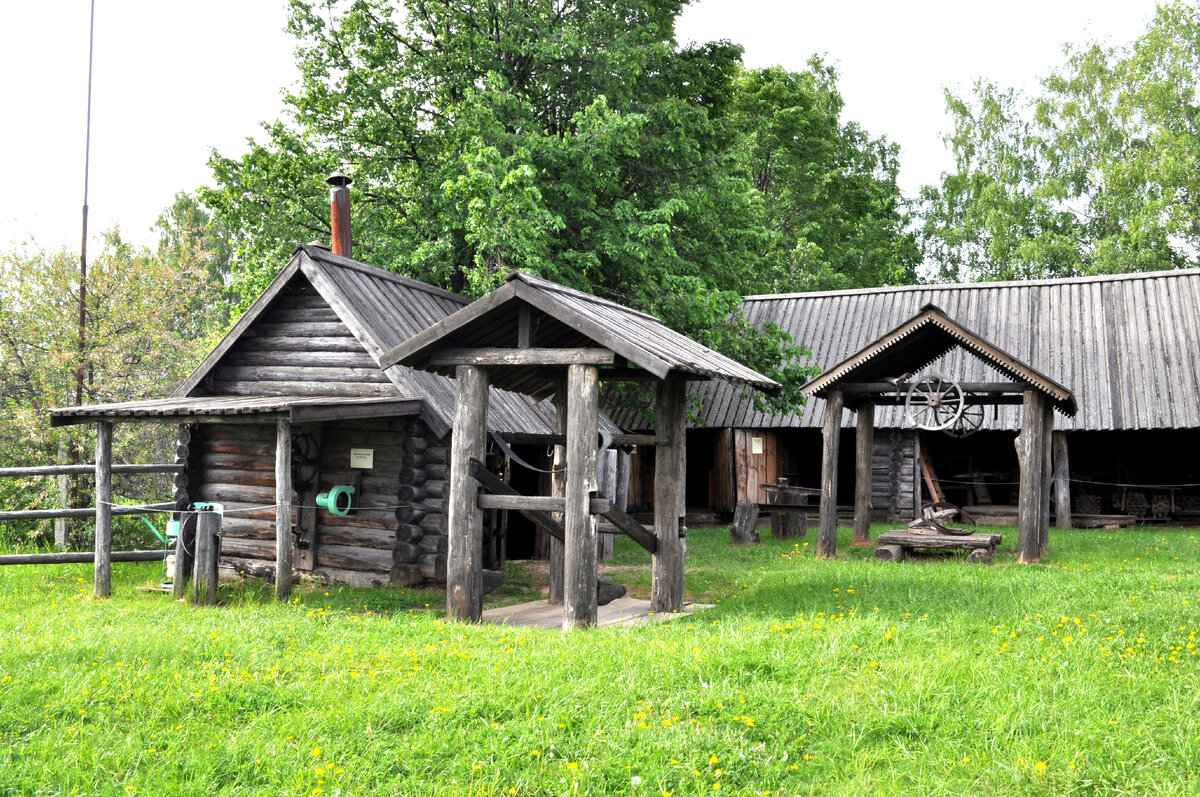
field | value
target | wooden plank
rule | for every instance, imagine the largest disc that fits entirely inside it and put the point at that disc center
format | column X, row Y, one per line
column 1031, row 495
column 579, row 544
column 522, row 357
column 283, row 509
column 857, row 389
column 385, row 408
column 1062, row 481
column 298, row 373
column 279, row 388
column 464, row 560
column 670, row 479
column 930, row 478
column 408, row 352
column 103, row 557
column 303, row 358
column 827, row 532
column 864, row 444
column 344, row 343
column 1047, row 477
column 939, row 541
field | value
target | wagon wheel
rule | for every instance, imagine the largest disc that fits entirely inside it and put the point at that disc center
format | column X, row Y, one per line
column 968, row 423
column 934, row 403
column 305, row 453
column 963, row 516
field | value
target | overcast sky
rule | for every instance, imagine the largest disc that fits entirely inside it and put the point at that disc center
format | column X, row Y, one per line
column 174, row 79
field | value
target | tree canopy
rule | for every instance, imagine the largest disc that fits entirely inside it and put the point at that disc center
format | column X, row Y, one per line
column 1099, row 173
column 576, row 140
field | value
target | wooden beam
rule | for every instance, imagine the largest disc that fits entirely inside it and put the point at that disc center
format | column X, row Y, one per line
column 538, row 503
column 1032, row 487
column 521, row 357
column 987, row 388
column 495, row 485
column 44, row 514
column 1047, row 477
column 670, row 478
column 1062, row 481
column 618, row 440
column 283, row 509
column 827, row 531
column 864, row 444
column 579, row 546
column 302, row 413
column 103, row 557
column 558, row 485
column 524, row 327
column 464, row 556
column 185, row 548
column 631, row 528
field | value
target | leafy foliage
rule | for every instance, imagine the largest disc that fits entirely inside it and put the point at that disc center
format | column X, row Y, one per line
column 149, row 317
column 573, row 139
column 1098, row 174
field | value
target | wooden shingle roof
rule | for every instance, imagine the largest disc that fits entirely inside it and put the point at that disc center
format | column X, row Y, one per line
column 570, row 319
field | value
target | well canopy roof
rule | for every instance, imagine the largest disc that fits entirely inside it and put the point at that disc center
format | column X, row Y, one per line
column 922, row 340
column 566, row 318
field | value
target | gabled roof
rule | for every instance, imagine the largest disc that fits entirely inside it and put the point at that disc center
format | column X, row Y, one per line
column 924, row 339
column 1128, row 345
column 381, row 309
column 572, row 319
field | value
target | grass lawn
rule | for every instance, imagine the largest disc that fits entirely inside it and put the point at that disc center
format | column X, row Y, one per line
column 846, row 677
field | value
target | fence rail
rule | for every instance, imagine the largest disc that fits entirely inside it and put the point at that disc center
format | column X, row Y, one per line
column 67, row 470
column 80, row 557
column 45, row 514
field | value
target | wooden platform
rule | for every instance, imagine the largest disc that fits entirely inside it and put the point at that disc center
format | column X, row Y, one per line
column 895, row 544
column 622, row 611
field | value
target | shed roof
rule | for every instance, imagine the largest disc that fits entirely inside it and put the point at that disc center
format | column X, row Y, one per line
column 299, row 409
column 923, row 339
column 1128, row 345
column 569, row 318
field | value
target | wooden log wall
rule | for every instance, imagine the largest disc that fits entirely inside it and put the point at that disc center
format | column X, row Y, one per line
column 893, row 474
column 397, row 533
column 298, row 347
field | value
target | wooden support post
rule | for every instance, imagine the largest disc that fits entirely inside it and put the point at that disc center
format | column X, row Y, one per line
column 185, row 548
column 1047, row 477
column 204, row 576
column 558, row 487
column 283, row 510
column 579, row 524
column 1032, row 489
column 464, row 556
column 621, row 492
column 827, row 533
column 864, row 444
column 670, row 477
column 606, row 477
column 103, row 559
column 1062, row 482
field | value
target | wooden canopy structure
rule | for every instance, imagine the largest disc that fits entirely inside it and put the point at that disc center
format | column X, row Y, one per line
column 878, row 374
column 539, row 338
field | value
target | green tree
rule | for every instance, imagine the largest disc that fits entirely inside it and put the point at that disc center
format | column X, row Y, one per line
column 832, row 205
column 576, row 140
column 149, row 319
column 1096, row 174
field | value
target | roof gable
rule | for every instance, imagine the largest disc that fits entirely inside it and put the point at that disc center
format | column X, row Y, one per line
column 568, row 318
column 922, row 340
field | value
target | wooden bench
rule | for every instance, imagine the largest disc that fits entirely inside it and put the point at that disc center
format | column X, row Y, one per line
column 893, row 545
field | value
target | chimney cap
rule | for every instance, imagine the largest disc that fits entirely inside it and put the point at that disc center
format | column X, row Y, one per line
column 338, row 179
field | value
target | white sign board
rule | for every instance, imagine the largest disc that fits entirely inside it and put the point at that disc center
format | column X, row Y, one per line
column 363, row 458
column 756, row 445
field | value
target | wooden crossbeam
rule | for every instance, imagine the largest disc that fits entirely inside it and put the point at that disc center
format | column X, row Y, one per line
column 494, row 484
column 540, row 503
column 631, row 528
column 523, row 357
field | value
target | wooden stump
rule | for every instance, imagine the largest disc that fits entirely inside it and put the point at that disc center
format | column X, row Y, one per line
column 744, row 530
column 204, row 576
column 827, row 534
column 103, row 560
column 889, row 553
column 979, row 555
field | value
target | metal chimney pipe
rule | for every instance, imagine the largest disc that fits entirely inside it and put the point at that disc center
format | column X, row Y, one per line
column 339, row 213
